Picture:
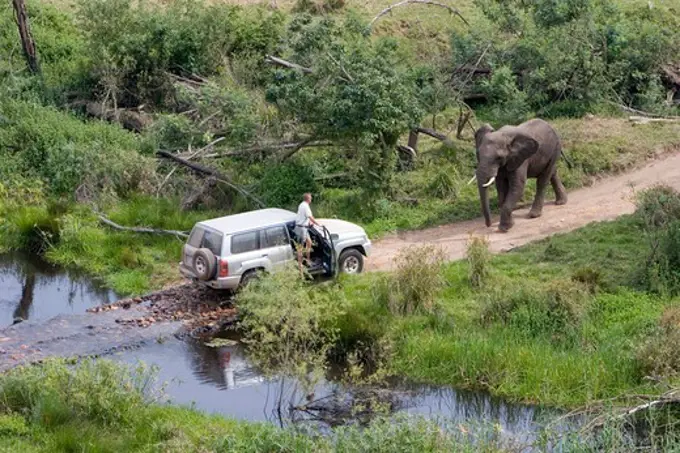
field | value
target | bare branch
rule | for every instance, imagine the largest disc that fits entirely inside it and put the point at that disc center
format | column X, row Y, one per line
column 293, row 151
column 270, row 147
column 389, row 9
column 286, row 64
column 115, row 226
column 211, row 172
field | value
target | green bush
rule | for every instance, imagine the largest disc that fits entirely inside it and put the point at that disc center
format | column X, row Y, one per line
column 658, row 209
column 98, row 391
column 479, row 260
column 658, row 206
column 283, row 185
column 133, row 55
column 554, row 310
column 61, row 47
column 660, row 355
column 416, row 282
column 318, row 6
column 65, row 153
column 288, row 325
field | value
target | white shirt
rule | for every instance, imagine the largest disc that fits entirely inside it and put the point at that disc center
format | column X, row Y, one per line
column 304, row 212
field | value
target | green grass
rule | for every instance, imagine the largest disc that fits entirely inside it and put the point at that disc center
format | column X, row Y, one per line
column 105, row 407
column 590, row 356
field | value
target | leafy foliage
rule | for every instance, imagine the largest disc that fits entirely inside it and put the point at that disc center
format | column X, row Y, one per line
column 66, row 153
column 356, row 95
column 283, row 185
column 287, row 325
column 134, row 53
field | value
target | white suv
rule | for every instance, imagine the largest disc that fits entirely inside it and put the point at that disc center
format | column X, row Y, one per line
column 227, row 252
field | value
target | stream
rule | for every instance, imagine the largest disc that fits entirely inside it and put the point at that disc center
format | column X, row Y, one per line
column 31, row 288
column 217, row 380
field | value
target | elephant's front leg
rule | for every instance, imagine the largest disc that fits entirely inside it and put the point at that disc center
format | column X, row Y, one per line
column 515, row 191
column 502, row 187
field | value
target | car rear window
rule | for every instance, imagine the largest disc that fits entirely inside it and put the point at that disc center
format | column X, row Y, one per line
column 245, row 242
column 196, row 237
column 275, row 237
column 213, row 242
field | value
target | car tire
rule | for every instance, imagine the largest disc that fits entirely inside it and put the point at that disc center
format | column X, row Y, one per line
column 204, row 264
column 248, row 277
column 351, row 262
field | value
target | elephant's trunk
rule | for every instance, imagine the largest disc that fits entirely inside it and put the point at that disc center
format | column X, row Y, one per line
column 484, row 199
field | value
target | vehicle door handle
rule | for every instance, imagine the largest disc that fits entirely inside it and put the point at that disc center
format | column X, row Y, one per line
column 265, row 255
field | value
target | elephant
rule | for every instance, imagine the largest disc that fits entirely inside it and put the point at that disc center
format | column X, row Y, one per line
column 508, row 157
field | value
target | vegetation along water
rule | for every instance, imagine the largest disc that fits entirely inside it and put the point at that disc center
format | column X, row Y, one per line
column 125, row 114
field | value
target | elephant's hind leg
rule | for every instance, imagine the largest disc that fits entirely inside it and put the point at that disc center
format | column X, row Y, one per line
column 560, row 192
column 537, row 206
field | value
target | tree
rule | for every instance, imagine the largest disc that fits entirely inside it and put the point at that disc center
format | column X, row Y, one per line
column 27, row 43
column 357, row 95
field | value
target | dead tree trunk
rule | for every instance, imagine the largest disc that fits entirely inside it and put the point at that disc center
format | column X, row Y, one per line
column 27, row 42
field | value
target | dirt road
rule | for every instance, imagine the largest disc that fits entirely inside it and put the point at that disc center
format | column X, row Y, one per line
column 606, row 199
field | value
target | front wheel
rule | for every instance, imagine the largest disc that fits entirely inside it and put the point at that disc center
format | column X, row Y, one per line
column 351, row 262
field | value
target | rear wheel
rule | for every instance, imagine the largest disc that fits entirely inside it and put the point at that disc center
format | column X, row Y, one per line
column 248, row 277
column 351, row 262
column 204, row 264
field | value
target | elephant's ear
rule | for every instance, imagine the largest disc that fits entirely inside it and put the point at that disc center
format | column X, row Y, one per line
column 521, row 148
column 481, row 132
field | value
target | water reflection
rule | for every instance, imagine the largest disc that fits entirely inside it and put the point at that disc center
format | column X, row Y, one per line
column 220, row 380
column 32, row 289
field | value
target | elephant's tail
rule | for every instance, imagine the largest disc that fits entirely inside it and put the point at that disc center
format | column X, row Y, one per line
column 570, row 164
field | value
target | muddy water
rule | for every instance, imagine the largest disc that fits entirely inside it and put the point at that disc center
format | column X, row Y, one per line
column 31, row 289
column 220, row 380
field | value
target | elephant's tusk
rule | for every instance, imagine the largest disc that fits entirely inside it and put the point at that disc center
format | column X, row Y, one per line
column 491, row 181
column 472, row 180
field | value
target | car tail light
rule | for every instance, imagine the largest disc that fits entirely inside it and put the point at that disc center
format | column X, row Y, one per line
column 224, row 268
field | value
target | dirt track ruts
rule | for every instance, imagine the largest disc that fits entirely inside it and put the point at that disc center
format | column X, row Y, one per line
column 607, row 199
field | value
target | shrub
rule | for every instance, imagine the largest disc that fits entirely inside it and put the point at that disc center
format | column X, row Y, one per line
column 133, row 55
column 416, row 282
column 318, row 6
column 288, row 325
column 444, row 185
column 478, row 259
column 658, row 209
column 658, row 206
column 590, row 277
column 66, row 153
column 660, row 355
column 94, row 391
column 555, row 309
column 283, row 185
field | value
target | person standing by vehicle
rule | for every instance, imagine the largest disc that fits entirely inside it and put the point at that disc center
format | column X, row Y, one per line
column 303, row 222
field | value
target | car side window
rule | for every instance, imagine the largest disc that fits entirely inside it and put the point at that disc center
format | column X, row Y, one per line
column 196, row 237
column 245, row 242
column 213, row 242
column 275, row 237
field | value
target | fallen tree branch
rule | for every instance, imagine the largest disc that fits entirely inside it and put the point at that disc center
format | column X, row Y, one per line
column 434, row 134
column 389, row 9
column 214, row 173
column 627, row 109
column 646, row 120
column 115, row 226
column 297, row 148
column 286, row 64
column 264, row 148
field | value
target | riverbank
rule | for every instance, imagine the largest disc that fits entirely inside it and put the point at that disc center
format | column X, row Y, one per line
column 101, row 406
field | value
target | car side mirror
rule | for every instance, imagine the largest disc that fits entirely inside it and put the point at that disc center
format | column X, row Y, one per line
column 334, row 237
